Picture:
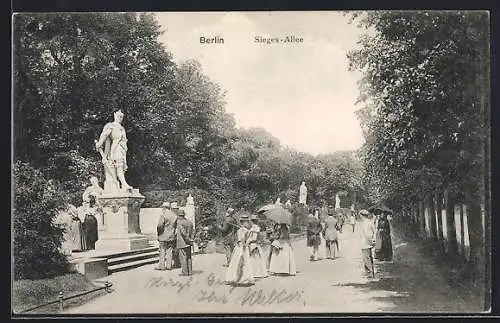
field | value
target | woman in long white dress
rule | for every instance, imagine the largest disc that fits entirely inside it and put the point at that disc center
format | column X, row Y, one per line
column 239, row 271
column 256, row 255
column 282, row 260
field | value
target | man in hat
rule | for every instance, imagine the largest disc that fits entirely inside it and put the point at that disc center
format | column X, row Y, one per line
column 185, row 237
column 367, row 240
column 228, row 229
column 166, row 237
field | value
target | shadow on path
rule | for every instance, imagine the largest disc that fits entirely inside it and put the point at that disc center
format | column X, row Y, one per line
column 412, row 283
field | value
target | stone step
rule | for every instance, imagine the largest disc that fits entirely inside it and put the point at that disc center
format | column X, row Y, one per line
column 132, row 264
column 113, row 255
column 132, row 257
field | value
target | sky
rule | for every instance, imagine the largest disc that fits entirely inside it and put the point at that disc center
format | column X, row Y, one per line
column 302, row 92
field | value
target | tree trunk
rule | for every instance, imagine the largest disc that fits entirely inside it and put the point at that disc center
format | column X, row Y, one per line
column 430, row 206
column 450, row 224
column 421, row 219
column 438, row 202
column 462, row 232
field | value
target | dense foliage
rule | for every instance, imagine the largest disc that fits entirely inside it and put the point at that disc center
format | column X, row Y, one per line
column 37, row 238
column 425, row 115
column 424, row 89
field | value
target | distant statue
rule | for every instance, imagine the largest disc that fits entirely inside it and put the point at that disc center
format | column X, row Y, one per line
column 303, row 194
column 337, row 201
column 189, row 200
column 278, row 201
column 288, row 204
column 114, row 154
column 190, row 210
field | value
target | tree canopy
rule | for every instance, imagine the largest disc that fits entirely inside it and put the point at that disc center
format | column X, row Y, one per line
column 70, row 72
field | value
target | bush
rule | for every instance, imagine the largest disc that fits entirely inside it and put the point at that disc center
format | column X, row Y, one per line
column 36, row 238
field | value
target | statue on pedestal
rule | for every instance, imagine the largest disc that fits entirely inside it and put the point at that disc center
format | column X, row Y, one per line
column 120, row 202
column 114, row 154
column 288, row 204
column 278, row 201
column 303, row 194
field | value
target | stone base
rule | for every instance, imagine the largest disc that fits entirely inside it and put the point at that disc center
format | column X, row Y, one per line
column 92, row 268
column 122, row 242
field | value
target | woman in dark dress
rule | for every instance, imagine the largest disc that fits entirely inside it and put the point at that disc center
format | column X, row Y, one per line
column 314, row 230
column 383, row 245
column 90, row 224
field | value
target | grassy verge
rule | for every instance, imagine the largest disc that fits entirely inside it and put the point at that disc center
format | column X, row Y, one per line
column 30, row 293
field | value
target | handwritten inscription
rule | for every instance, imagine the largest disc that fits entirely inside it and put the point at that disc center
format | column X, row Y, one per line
column 213, row 290
column 260, row 297
column 157, row 282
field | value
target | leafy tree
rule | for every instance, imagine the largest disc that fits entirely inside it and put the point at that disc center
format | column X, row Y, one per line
column 423, row 88
column 37, row 238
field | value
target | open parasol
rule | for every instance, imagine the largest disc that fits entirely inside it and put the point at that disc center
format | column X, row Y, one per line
column 381, row 208
column 267, row 207
column 279, row 215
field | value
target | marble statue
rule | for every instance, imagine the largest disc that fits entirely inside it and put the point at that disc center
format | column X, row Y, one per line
column 278, row 201
column 190, row 210
column 288, row 204
column 114, row 154
column 303, row 194
column 337, row 201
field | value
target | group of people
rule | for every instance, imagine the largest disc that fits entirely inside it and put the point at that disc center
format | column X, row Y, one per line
column 327, row 230
column 80, row 226
column 246, row 260
column 374, row 235
column 375, row 239
column 175, row 239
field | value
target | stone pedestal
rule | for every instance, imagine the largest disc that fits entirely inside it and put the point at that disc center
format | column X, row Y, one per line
column 121, row 229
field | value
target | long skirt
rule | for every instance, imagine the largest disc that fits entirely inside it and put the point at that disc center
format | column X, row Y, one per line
column 282, row 259
column 77, row 236
column 239, row 271
column 258, row 263
column 383, row 247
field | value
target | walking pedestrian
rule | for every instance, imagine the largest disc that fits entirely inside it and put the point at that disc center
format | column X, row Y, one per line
column 367, row 242
column 239, row 271
column 282, row 260
column 228, row 229
column 166, row 237
column 352, row 221
column 314, row 230
column 331, row 236
column 257, row 260
column 383, row 243
column 185, row 236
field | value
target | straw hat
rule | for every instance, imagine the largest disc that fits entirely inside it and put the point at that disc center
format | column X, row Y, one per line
column 364, row 212
column 174, row 205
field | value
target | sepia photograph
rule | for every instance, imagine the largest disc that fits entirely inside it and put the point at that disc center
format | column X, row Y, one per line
column 250, row 162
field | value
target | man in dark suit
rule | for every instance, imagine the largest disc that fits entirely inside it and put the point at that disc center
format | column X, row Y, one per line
column 185, row 237
column 166, row 237
column 228, row 229
column 331, row 236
